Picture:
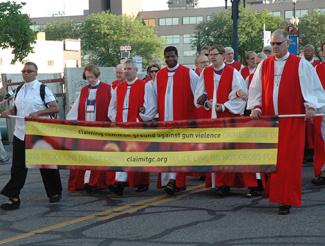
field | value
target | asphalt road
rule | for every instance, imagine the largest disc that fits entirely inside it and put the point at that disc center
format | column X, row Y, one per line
column 194, row 217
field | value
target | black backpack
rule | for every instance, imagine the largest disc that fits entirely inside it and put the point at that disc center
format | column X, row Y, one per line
column 42, row 95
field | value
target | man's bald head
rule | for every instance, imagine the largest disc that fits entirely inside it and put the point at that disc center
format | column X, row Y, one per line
column 309, row 52
column 119, row 72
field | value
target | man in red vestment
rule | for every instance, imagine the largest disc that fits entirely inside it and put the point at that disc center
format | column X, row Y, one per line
column 229, row 59
column 175, row 86
column 309, row 55
column 250, row 58
column 133, row 100
column 217, row 83
column 91, row 105
column 319, row 134
column 285, row 84
column 201, row 62
column 119, row 74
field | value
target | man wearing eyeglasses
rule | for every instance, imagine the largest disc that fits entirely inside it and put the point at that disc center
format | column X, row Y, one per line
column 217, row 82
column 28, row 103
column 285, row 84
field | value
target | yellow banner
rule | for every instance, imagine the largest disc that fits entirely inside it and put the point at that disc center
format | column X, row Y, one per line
column 177, row 135
column 152, row 159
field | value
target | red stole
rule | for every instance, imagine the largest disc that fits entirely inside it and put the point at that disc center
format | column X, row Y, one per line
column 315, row 63
column 235, row 64
column 183, row 99
column 115, row 83
column 289, row 90
column 245, row 72
column 224, row 88
column 197, row 71
column 103, row 98
column 250, row 78
column 136, row 100
column 319, row 155
column 286, row 183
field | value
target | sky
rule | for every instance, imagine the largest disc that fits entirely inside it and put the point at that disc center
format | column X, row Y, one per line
column 40, row 8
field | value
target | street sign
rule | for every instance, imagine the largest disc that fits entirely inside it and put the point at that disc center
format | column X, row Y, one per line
column 125, row 48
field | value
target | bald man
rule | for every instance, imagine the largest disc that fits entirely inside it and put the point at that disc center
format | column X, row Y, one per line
column 229, row 59
column 309, row 53
column 201, row 62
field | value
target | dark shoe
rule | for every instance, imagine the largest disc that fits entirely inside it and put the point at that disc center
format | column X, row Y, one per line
column 117, row 188
column 318, row 180
column 11, row 204
column 284, row 209
column 170, row 188
column 88, row 188
column 253, row 193
column 142, row 188
column 55, row 198
column 223, row 191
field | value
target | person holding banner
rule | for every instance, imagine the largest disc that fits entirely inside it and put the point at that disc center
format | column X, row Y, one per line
column 119, row 74
column 91, row 105
column 319, row 134
column 133, row 100
column 287, row 86
column 213, row 92
column 175, row 86
column 28, row 103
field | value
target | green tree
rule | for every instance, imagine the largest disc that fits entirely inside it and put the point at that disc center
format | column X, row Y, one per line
column 15, row 31
column 250, row 30
column 312, row 30
column 63, row 29
column 103, row 34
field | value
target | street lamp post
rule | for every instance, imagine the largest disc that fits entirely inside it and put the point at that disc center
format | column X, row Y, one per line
column 294, row 31
column 294, row 8
column 235, row 16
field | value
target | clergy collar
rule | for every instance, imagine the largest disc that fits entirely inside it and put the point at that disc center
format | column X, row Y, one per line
column 173, row 69
column 219, row 68
column 94, row 86
column 283, row 58
column 132, row 82
column 230, row 62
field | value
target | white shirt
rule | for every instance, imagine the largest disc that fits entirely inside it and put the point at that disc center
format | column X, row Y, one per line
column 311, row 87
column 27, row 101
column 235, row 104
column 169, row 95
column 90, row 116
column 150, row 103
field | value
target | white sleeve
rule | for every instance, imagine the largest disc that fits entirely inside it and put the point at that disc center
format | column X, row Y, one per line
column 73, row 113
column 112, row 107
column 194, row 79
column 255, row 89
column 150, row 102
column 199, row 91
column 49, row 97
column 311, row 87
column 237, row 105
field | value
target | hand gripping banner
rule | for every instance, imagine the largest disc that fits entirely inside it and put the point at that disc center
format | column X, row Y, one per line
column 226, row 145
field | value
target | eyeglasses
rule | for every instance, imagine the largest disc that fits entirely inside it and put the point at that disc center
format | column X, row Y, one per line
column 27, row 71
column 154, row 71
column 277, row 43
column 214, row 54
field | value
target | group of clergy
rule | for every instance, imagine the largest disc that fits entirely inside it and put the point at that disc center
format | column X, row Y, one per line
column 274, row 83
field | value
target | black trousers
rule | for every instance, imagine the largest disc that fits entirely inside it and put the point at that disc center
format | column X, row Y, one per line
column 51, row 177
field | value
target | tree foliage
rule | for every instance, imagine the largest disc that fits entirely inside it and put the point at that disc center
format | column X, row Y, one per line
column 312, row 29
column 15, row 30
column 103, row 34
column 218, row 30
column 63, row 29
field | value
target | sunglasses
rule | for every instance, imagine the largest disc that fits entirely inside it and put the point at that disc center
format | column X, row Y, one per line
column 277, row 43
column 27, row 71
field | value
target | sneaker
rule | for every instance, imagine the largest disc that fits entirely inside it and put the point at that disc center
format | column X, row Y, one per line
column 170, row 188
column 54, row 199
column 12, row 204
column 223, row 191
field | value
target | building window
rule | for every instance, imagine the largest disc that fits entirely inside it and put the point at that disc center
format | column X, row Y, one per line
column 172, row 39
column 168, row 21
column 192, row 20
column 322, row 11
column 299, row 13
column 50, row 63
column 276, row 13
column 38, row 28
column 188, row 38
column 150, row 22
column 189, row 53
column 209, row 17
